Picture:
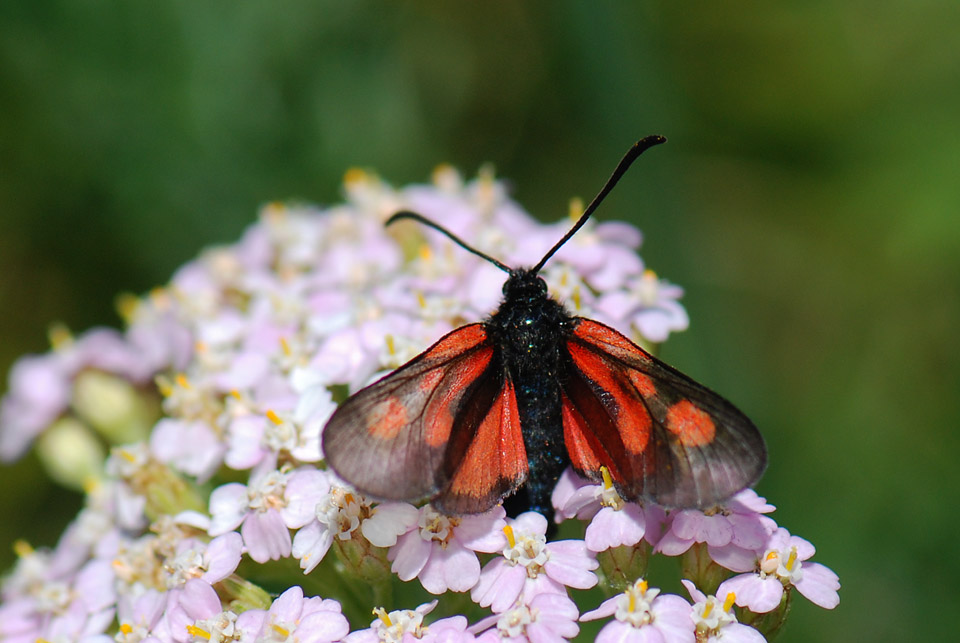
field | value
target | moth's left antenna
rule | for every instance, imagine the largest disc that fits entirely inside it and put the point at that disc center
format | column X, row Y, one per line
column 407, row 214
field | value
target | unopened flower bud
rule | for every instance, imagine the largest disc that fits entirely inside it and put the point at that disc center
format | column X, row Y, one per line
column 71, row 453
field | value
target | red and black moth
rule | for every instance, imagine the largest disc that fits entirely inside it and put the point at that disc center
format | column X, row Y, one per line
column 503, row 406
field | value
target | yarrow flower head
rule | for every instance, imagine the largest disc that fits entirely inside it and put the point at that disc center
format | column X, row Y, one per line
column 642, row 614
column 780, row 564
column 739, row 523
column 715, row 621
column 408, row 625
column 441, row 550
column 339, row 513
column 530, row 566
column 267, row 508
column 195, row 434
column 614, row 522
column 548, row 617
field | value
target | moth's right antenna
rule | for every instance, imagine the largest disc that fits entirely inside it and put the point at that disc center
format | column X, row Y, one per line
column 638, row 148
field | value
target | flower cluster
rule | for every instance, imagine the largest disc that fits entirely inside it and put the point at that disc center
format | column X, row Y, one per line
column 195, row 436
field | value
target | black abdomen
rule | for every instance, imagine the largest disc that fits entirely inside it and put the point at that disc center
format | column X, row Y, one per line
column 530, row 329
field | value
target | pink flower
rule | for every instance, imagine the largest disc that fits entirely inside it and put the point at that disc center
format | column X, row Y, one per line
column 254, row 439
column 244, row 438
column 613, row 521
column 191, row 446
column 604, row 253
column 256, row 435
column 642, row 615
column 782, row 563
column 159, row 339
column 195, row 614
column 39, row 390
column 715, row 621
column 104, row 349
column 141, row 616
column 388, row 521
column 211, row 562
column 308, row 620
column 76, row 624
column 530, row 566
column 549, row 618
column 41, row 387
column 739, row 523
column 649, row 304
column 407, row 626
column 352, row 354
column 440, row 550
column 38, row 606
column 19, row 621
column 94, row 586
column 267, row 508
column 337, row 514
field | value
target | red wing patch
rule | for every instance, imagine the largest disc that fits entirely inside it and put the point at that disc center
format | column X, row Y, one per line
column 391, row 439
column 630, row 416
column 439, row 414
column 692, row 426
column 587, row 450
column 495, row 462
column 662, row 436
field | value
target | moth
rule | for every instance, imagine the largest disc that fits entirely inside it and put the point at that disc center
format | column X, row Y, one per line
column 504, row 405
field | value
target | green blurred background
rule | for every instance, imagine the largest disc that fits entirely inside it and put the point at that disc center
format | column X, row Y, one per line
column 808, row 201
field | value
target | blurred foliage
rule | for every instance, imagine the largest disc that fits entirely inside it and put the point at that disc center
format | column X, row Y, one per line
column 808, row 201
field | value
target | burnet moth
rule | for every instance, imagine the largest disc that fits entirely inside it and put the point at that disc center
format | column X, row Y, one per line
column 503, row 406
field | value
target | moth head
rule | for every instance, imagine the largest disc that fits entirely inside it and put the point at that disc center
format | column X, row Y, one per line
column 524, row 284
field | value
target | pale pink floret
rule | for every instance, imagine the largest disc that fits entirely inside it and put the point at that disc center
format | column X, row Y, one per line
column 441, row 550
column 77, row 609
column 266, row 509
column 531, row 566
column 782, row 562
column 194, row 613
column 141, row 615
column 388, row 521
column 309, row 620
column 212, row 562
column 715, row 621
column 604, row 254
column 244, row 441
column 195, row 601
column 407, row 626
column 39, row 391
column 642, row 615
column 19, row 620
column 616, row 527
column 279, row 425
column 337, row 514
column 549, row 618
column 190, row 446
column 738, row 523
column 76, row 624
column 160, row 340
column 649, row 304
column 94, row 585
column 613, row 522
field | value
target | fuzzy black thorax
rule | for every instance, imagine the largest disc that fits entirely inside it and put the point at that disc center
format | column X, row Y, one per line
column 529, row 327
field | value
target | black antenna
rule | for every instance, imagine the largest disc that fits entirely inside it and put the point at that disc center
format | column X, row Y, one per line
column 407, row 214
column 638, row 148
